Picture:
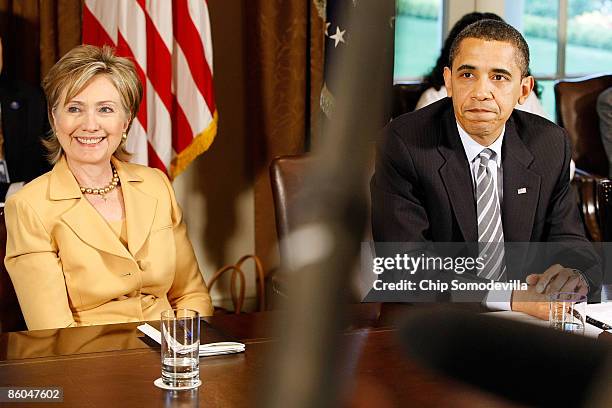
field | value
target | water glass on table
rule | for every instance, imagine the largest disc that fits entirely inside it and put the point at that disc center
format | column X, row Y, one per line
column 180, row 345
column 567, row 312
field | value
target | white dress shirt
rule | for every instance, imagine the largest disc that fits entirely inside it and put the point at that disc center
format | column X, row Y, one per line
column 472, row 151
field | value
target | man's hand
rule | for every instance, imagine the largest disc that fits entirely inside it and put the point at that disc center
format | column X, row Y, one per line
column 535, row 300
column 559, row 279
column 530, row 301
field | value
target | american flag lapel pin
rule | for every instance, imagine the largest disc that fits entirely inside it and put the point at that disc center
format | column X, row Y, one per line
column 521, row 190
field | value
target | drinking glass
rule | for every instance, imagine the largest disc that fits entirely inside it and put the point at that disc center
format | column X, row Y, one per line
column 567, row 312
column 180, row 345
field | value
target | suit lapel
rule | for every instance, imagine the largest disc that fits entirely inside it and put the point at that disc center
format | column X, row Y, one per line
column 83, row 218
column 85, row 221
column 521, row 187
column 139, row 207
column 455, row 174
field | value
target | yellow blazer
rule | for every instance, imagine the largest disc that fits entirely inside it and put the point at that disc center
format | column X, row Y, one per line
column 69, row 268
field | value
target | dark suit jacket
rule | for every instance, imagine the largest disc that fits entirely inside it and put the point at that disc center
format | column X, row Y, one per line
column 24, row 124
column 422, row 188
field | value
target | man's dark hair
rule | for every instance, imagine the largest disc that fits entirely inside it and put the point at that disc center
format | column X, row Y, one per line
column 494, row 30
column 436, row 77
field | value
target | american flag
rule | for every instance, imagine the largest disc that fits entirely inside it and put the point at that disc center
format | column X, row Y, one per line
column 339, row 26
column 170, row 44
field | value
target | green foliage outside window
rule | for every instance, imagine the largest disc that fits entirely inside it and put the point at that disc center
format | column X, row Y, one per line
column 426, row 9
column 543, row 8
column 581, row 32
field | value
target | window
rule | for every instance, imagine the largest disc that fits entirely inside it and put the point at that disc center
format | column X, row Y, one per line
column 589, row 37
column 418, row 37
column 567, row 38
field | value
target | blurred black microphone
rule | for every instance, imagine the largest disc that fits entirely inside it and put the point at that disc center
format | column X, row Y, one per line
column 524, row 363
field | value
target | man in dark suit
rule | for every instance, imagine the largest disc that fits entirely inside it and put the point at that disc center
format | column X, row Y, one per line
column 470, row 168
column 23, row 125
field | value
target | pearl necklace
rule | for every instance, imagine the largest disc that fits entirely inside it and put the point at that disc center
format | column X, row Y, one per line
column 103, row 191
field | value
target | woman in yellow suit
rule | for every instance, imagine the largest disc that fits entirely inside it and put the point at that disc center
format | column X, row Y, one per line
column 98, row 240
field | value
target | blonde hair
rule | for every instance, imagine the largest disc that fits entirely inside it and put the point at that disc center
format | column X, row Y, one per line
column 74, row 71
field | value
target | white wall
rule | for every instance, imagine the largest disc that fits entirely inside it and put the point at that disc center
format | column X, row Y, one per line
column 455, row 9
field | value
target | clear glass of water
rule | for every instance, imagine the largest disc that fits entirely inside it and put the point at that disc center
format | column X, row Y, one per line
column 567, row 312
column 180, row 347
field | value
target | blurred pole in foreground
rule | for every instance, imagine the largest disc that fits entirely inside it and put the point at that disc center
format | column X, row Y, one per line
column 303, row 368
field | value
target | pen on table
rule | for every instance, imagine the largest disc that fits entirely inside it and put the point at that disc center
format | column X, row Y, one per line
column 598, row 324
column 593, row 322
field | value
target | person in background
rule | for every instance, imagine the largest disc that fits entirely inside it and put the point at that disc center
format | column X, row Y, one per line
column 604, row 109
column 23, row 125
column 98, row 240
column 435, row 78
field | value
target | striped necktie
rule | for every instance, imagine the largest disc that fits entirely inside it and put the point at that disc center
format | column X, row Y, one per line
column 490, row 229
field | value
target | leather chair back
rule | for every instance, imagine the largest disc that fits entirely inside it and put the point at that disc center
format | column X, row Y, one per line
column 406, row 96
column 588, row 204
column 287, row 175
column 576, row 102
column 11, row 318
column 604, row 195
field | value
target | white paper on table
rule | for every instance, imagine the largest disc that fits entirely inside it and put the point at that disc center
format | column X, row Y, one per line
column 601, row 312
column 598, row 311
column 208, row 349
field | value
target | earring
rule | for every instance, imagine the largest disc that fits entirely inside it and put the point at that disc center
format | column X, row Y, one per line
column 124, row 136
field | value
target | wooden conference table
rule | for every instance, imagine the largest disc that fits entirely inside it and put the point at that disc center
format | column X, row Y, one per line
column 112, row 366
